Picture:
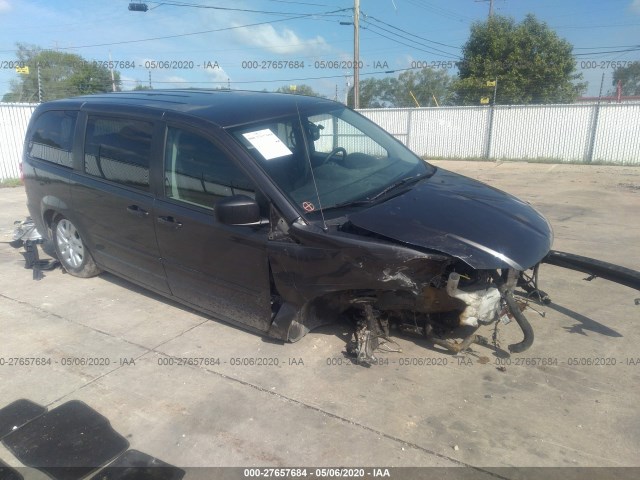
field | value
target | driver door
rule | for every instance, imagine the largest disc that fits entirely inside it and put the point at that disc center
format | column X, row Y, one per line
column 222, row 269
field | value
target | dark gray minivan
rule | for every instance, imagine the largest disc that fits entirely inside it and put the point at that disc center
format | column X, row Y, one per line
column 277, row 213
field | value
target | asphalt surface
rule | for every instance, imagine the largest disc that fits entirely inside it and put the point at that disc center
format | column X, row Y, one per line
column 571, row 400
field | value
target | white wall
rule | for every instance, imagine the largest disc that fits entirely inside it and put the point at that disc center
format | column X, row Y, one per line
column 14, row 119
column 579, row 133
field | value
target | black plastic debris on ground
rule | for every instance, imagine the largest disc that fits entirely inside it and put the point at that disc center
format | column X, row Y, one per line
column 26, row 235
column 135, row 465
column 8, row 473
column 32, row 260
column 17, row 414
column 67, row 443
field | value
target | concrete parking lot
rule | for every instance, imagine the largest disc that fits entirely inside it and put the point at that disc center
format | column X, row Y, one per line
column 571, row 400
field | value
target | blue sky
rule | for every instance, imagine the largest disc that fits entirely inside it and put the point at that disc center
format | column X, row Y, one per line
column 395, row 34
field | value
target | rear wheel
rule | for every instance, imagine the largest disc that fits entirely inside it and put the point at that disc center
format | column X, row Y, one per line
column 71, row 250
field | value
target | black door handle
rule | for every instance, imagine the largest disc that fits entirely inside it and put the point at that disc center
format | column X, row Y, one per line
column 169, row 221
column 137, row 211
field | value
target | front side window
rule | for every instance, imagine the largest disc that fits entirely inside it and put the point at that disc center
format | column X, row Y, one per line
column 198, row 172
column 118, row 149
column 333, row 132
column 329, row 159
column 52, row 137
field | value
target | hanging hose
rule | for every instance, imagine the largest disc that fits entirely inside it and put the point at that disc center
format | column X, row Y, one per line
column 525, row 326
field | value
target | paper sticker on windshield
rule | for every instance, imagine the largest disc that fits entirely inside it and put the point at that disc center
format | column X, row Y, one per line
column 308, row 206
column 267, row 143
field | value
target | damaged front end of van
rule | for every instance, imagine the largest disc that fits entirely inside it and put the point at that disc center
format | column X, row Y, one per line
column 446, row 253
column 388, row 241
column 382, row 238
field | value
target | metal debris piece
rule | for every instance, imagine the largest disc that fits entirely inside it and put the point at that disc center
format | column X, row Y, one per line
column 369, row 331
column 456, row 347
column 25, row 230
column 529, row 283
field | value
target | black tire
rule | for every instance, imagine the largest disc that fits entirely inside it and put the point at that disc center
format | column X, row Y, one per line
column 49, row 247
column 71, row 250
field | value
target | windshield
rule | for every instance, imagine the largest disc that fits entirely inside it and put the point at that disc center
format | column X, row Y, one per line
column 329, row 159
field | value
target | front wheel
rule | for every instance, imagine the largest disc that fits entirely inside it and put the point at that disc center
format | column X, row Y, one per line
column 71, row 250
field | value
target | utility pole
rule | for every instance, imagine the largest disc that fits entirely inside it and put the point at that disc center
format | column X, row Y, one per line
column 113, row 80
column 490, row 6
column 356, row 53
column 346, row 90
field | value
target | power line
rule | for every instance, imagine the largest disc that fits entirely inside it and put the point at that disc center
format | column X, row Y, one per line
column 199, row 5
column 490, row 6
column 635, row 49
column 409, row 33
column 273, row 81
column 413, row 46
column 614, row 46
column 165, row 37
column 439, row 10
column 213, row 7
column 302, row 3
column 597, row 26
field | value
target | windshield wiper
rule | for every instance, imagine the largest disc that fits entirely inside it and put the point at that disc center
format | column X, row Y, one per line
column 370, row 200
column 351, row 203
column 400, row 183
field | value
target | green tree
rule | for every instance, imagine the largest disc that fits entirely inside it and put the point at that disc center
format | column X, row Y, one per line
column 629, row 77
column 427, row 87
column 299, row 90
column 61, row 75
column 430, row 87
column 372, row 93
column 531, row 63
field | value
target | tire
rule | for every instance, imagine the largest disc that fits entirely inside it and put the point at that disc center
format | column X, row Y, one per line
column 71, row 250
column 48, row 247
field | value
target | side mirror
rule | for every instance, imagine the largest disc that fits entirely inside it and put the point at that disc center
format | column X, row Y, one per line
column 237, row 210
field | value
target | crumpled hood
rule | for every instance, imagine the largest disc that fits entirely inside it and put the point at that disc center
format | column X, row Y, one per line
column 452, row 214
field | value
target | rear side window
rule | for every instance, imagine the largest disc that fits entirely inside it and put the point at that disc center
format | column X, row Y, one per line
column 118, row 149
column 52, row 137
column 198, row 172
